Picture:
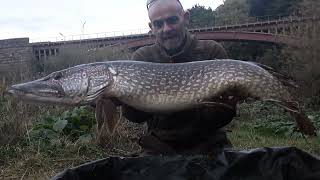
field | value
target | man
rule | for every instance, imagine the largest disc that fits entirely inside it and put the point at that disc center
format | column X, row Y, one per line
column 196, row 131
column 173, row 41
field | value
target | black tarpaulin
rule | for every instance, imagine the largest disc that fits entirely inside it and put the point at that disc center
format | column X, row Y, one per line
column 263, row 164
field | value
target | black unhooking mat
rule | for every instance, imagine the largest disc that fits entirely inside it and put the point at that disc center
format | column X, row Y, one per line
column 264, row 163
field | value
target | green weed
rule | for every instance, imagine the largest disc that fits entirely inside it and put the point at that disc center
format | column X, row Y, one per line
column 272, row 120
column 75, row 124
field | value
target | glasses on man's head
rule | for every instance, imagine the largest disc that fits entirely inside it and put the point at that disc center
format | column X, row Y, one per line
column 150, row 2
column 172, row 20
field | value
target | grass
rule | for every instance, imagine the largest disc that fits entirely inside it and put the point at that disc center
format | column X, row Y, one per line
column 24, row 156
column 37, row 162
column 264, row 125
column 28, row 158
column 41, row 160
column 244, row 137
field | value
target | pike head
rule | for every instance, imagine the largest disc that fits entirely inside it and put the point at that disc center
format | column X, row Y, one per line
column 73, row 86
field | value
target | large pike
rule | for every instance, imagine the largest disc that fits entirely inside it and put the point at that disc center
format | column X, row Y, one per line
column 163, row 88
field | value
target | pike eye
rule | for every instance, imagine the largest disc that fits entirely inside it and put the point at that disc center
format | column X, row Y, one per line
column 57, row 76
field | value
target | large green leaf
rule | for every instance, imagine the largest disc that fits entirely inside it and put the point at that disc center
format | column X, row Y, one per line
column 60, row 125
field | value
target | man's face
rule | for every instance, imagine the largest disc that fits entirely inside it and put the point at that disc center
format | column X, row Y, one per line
column 168, row 24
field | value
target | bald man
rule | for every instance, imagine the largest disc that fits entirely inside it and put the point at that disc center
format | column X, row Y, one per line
column 196, row 131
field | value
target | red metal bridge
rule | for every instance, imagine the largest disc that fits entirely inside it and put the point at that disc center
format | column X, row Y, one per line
column 278, row 31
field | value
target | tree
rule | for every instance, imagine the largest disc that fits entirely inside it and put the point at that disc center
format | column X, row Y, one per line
column 271, row 7
column 232, row 12
column 201, row 17
column 304, row 62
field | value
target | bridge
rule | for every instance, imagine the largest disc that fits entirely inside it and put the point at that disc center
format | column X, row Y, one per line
column 268, row 30
column 271, row 30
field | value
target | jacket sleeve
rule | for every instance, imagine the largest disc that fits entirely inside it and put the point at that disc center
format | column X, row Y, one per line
column 139, row 55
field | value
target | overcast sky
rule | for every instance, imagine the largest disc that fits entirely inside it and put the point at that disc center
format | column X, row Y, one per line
column 57, row 19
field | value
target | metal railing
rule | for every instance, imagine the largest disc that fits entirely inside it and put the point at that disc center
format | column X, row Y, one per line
column 217, row 22
column 91, row 36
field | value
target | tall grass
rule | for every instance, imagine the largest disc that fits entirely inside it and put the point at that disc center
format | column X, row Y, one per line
column 15, row 116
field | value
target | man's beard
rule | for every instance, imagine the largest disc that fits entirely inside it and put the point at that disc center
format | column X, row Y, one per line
column 172, row 40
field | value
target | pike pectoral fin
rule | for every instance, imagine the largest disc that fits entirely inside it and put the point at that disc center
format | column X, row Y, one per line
column 107, row 117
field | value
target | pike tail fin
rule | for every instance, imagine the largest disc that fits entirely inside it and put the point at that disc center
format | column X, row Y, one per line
column 304, row 124
column 302, row 121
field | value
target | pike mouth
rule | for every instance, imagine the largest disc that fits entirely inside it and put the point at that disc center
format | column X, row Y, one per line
column 42, row 90
column 41, row 95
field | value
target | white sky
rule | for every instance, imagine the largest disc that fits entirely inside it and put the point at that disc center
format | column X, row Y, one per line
column 57, row 19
